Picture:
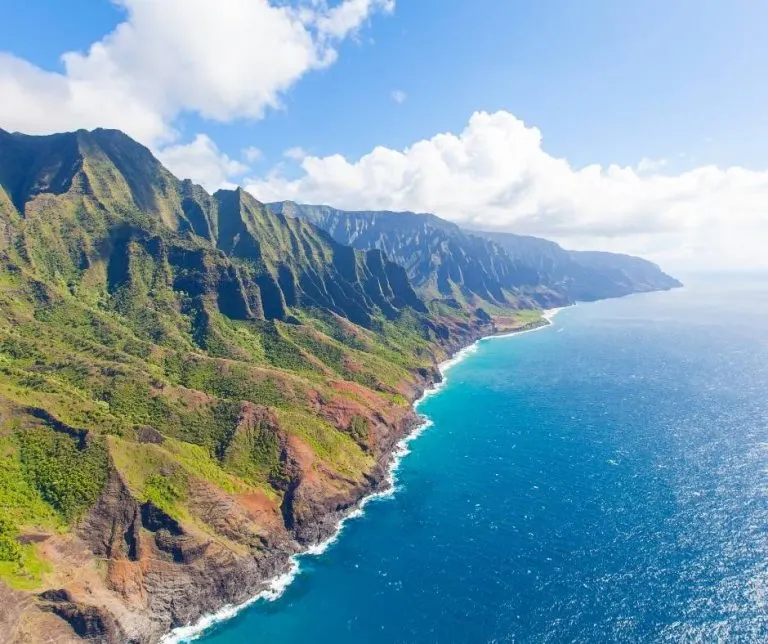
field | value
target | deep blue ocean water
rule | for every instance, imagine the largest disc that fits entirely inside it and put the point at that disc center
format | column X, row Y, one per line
column 604, row 479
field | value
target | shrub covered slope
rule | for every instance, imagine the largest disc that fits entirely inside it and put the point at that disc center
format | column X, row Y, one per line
column 191, row 387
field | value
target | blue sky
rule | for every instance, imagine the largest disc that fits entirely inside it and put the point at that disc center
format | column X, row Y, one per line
column 677, row 84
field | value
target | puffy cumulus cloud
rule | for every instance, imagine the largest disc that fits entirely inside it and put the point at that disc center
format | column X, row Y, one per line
column 495, row 175
column 35, row 101
column 203, row 162
column 224, row 60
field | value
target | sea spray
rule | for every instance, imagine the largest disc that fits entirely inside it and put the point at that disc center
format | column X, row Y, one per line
column 278, row 585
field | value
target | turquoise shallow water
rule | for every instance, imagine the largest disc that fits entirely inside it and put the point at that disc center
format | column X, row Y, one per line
column 602, row 480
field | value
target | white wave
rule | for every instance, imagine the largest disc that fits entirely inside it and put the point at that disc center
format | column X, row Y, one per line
column 548, row 315
column 277, row 586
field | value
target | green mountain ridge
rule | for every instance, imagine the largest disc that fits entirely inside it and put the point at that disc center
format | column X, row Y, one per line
column 192, row 388
column 584, row 275
column 446, row 261
column 285, row 262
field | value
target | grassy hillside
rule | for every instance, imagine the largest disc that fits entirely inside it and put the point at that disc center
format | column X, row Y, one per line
column 185, row 379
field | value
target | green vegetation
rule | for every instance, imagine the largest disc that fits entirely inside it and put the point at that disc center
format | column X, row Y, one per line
column 10, row 550
column 68, row 476
column 165, row 492
column 335, row 448
column 181, row 340
column 358, row 429
column 254, row 455
column 20, row 567
column 284, row 354
column 527, row 316
column 22, row 503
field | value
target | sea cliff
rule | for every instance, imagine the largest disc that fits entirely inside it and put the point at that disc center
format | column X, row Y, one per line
column 193, row 387
column 328, row 525
column 159, row 575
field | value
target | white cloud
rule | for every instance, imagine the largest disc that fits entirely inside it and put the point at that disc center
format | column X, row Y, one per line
column 35, row 101
column 203, row 162
column 651, row 165
column 296, row 154
column 224, row 60
column 399, row 96
column 251, row 154
column 346, row 18
column 496, row 175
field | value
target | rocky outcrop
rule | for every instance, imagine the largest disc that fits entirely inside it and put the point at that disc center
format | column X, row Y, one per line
column 112, row 529
column 161, row 574
column 88, row 622
column 242, row 379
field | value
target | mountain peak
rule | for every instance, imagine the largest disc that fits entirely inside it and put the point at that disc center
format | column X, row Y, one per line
column 100, row 189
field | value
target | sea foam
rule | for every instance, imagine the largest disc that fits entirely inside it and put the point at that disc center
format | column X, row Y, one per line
column 278, row 585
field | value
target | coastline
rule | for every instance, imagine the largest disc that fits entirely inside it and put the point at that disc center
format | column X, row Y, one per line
column 276, row 586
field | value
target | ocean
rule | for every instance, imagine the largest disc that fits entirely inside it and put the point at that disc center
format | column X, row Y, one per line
column 604, row 479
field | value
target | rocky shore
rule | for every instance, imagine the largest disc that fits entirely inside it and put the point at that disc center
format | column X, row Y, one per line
column 131, row 573
column 327, row 522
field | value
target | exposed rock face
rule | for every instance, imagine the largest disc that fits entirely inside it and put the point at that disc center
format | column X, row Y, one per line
column 585, row 276
column 112, row 528
column 193, row 387
column 159, row 574
column 148, row 434
column 442, row 259
column 88, row 622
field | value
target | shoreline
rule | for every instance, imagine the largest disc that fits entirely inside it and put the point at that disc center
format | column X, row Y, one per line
column 276, row 586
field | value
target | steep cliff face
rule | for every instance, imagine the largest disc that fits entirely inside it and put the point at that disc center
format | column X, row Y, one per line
column 192, row 388
column 585, row 276
column 445, row 261
column 441, row 260
column 86, row 195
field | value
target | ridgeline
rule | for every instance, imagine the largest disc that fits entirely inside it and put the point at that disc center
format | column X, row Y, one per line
column 195, row 387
